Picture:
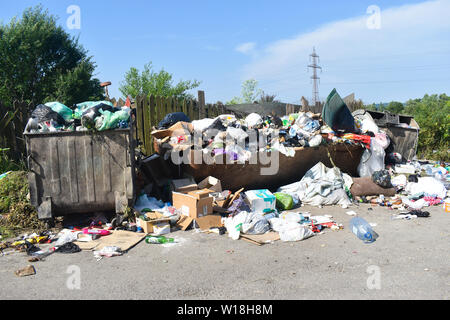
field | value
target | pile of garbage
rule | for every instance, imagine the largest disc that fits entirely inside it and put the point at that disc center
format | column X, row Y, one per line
column 86, row 116
column 239, row 138
column 227, row 135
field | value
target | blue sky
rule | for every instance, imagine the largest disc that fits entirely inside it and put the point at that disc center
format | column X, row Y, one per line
column 223, row 43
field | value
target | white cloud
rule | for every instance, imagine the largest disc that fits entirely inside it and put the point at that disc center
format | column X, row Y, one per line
column 411, row 37
column 246, row 48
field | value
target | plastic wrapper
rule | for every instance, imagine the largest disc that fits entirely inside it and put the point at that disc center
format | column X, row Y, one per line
column 284, row 201
column 62, row 110
column 372, row 160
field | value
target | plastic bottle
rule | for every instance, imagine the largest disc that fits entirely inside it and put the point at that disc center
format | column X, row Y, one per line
column 100, row 232
column 159, row 240
column 362, row 229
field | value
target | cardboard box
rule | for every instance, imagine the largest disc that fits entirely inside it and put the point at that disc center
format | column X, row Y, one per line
column 184, row 185
column 178, row 129
column 211, row 183
column 157, row 223
column 261, row 200
column 194, row 206
column 200, row 194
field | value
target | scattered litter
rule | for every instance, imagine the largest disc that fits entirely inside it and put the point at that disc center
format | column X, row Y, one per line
column 27, row 271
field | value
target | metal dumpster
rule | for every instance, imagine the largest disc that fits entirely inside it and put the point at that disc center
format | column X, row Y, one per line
column 403, row 130
column 81, row 172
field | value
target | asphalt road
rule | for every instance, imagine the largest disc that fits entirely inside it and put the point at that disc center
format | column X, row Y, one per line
column 410, row 260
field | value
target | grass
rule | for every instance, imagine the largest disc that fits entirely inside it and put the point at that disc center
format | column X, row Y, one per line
column 7, row 164
column 18, row 213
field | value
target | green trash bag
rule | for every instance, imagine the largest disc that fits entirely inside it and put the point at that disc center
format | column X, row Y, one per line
column 109, row 120
column 284, row 201
column 336, row 114
column 82, row 107
column 61, row 109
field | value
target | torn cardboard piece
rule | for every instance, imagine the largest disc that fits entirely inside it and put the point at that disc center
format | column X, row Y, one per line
column 211, row 183
column 184, row 185
column 125, row 240
column 260, row 239
column 208, row 222
column 178, row 129
column 184, row 223
column 27, row 271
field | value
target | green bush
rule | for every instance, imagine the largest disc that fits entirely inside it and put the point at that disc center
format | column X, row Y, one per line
column 6, row 164
column 13, row 189
column 432, row 113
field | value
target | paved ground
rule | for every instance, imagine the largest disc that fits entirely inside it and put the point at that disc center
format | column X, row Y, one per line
column 410, row 257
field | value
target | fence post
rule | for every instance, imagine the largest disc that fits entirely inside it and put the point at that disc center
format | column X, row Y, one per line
column 201, row 104
column 140, row 120
column 147, row 125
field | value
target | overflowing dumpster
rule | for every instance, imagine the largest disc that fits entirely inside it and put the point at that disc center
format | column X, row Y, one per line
column 403, row 130
column 81, row 171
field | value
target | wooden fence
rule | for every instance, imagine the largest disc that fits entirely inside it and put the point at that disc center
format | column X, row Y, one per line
column 13, row 120
column 151, row 110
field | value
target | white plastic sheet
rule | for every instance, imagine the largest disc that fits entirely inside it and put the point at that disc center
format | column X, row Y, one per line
column 372, row 160
column 319, row 186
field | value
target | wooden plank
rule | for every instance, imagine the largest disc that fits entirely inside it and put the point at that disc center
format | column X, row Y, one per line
column 140, row 120
column 166, row 106
column 152, row 117
column 190, row 110
column 196, row 111
column 159, row 110
column 147, row 126
column 184, row 107
column 201, row 104
column 169, row 104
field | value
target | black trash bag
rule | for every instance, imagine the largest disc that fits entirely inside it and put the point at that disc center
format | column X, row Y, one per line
column 42, row 113
column 413, row 178
column 337, row 115
column 217, row 125
column 69, row 247
column 382, row 178
column 419, row 213
column 171, row 119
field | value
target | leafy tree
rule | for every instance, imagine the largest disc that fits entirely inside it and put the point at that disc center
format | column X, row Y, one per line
column 432, row 113
column 249, row 93
column 38, row 57
column 394, row 107
column 159, row 83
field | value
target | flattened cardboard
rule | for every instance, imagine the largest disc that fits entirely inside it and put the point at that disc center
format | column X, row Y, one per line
column 208, row 222
column 211, row 183
column 125, row 240
column 184, row 222
column 261, row 239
